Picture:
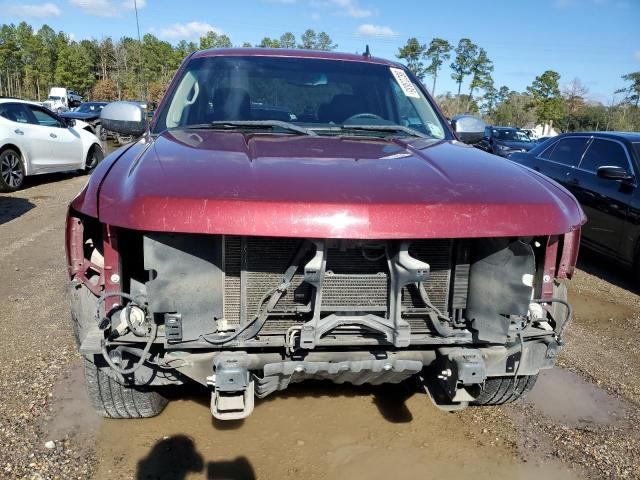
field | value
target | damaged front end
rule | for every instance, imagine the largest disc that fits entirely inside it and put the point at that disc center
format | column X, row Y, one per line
column 246, row 316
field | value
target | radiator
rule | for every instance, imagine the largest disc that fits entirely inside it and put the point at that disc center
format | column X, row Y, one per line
column 356, row 280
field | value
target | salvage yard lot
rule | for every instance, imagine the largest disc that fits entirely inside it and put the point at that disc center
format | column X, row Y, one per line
column 579, row 422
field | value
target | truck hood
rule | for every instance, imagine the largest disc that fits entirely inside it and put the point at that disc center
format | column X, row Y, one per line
column 525, row 146
column 203, row 181
column 86, row 116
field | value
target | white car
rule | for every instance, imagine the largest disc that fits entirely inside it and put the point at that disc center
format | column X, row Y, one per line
column 34, row 140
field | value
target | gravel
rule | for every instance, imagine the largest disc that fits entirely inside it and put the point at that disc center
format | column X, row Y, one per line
column 37, row 351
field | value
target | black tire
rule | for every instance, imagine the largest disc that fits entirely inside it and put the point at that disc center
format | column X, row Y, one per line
column 94, row 157
column 12, row 171
column 113, row 400
column 500, row 390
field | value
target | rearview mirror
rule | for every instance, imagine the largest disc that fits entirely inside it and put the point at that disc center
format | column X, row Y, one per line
column 70, row 122
column 613, row 173
column 126, row 118
column 470, row 129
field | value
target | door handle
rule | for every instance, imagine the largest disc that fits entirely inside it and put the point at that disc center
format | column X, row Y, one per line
column 18, row 131
column 53, row 135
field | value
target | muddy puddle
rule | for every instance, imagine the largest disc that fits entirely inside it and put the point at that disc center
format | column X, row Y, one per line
column 319, row 430
column 312, row 431
column 565, row 397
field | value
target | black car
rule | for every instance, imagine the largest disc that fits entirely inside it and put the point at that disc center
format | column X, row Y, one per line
column 89, row 112
column 602, row 171
column 505, row 141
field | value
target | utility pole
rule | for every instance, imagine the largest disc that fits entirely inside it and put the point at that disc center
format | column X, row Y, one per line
column 139, row 72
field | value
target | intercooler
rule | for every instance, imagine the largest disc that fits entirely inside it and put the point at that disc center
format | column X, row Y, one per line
column 356, row 280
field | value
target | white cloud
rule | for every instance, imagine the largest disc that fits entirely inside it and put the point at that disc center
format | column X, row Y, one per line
column 353, row 9
column 106, row 8
column 636, row 55
column 129, row 5
column 41, row 10
column 188, row 30
column 368, row 30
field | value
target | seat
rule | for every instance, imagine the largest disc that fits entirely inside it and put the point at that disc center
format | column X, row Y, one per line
column 231, row 104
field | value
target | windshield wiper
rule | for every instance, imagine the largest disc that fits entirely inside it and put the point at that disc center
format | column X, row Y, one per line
column 386, row 128
column 374, row 128
column 261, row 124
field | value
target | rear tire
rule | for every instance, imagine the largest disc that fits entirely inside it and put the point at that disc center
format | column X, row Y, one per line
column 94, row 157
column 12, row 171
column 113, row 400
column 500, row 390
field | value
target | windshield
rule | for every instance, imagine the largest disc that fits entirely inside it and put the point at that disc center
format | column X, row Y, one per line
column 325, row 96
column 53, row 98
column 89, row 108
column 511, row 135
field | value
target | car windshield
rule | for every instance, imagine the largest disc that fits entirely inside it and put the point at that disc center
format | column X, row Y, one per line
column 325, row 97
column 511, row 135
column 89, row 108
column 53, row 98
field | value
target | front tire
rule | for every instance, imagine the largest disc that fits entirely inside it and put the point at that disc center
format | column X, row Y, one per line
column 12, row 171
column 110, row 399
column 501, row 390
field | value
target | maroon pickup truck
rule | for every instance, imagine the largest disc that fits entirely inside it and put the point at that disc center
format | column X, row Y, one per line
column 293, row 215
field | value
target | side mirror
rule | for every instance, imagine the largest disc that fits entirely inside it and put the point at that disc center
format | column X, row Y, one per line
column 613, row 173
column 470, row 129
column 126, row 118
column 70, row 122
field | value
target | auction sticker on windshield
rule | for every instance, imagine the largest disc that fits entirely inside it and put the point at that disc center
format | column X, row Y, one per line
column 405, row 84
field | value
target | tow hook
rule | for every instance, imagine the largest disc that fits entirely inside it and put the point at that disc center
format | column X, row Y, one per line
column 233, row 390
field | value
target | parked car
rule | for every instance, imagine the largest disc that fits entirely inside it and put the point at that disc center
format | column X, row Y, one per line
column 246, row 254
column 89, row 112
column 504, row 141
column 601, row 170
column 33, row 140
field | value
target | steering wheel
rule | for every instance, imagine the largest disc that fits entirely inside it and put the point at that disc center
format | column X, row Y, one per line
column 363, row 115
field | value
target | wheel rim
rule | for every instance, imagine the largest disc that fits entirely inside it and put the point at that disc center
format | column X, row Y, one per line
column 11, row 170
column 93, row 159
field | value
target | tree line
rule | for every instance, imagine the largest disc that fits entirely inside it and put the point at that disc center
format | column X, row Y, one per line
column 32, row 61
column 542, row 102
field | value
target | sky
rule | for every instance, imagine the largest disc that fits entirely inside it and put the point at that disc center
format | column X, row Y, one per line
column 596, row 41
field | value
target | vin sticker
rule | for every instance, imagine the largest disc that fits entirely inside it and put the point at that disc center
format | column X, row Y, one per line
column 405, row 84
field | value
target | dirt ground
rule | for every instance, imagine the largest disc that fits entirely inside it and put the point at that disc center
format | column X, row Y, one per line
column 579, row 421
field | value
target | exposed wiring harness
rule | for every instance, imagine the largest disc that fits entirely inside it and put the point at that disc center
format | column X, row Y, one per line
column 436, row 316
column 105, row 322
column 222, row 340
column 266, row 304
column 559, row 330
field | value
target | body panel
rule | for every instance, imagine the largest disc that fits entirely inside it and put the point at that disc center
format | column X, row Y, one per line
column 274, row 185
